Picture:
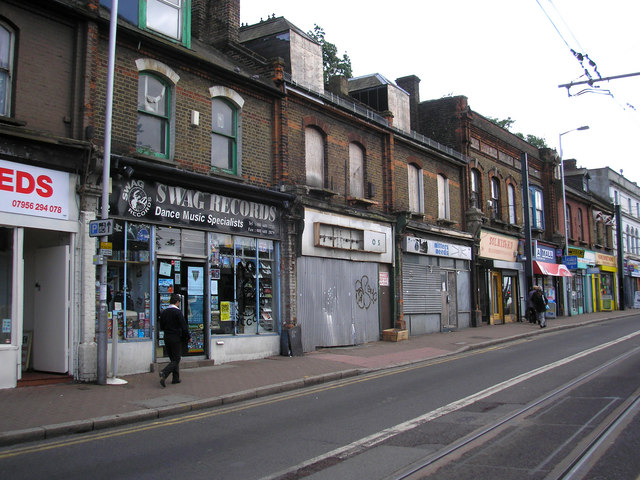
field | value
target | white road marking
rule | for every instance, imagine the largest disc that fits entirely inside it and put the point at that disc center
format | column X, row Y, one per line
column 379, row 437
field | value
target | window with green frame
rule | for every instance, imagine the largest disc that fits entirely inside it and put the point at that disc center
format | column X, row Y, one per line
column 170, row 18
column 224, row 132
column 7, row 37
column 153, row 115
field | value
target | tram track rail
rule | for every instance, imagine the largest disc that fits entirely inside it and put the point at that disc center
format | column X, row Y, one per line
column 571, row 467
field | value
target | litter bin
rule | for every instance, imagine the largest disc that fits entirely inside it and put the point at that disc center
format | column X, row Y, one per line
column 291, row 341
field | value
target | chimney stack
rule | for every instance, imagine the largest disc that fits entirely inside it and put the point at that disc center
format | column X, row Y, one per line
column 215, row 22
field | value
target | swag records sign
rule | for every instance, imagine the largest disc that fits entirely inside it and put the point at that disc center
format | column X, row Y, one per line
column 171, row 205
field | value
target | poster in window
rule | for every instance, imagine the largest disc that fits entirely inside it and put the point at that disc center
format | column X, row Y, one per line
column 195, row 280
column 165, row 285
column 225, row 311
column 165, row 269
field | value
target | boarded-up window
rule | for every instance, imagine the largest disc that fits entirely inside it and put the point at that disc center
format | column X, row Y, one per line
column 443, row 197
column 356, row 171
column 314, row 155
column 416, row 191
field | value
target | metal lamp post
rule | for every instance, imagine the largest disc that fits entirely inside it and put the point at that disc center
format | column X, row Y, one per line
column 564, row 206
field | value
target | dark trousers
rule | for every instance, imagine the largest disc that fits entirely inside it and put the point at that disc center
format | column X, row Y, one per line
column 174, row 350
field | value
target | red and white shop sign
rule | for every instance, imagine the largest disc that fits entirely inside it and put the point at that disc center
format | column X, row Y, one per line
column 33, row 191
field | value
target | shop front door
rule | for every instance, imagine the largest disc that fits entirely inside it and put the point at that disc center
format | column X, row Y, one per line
column 51, row 307
column 496, row 305
column 186, row 278
column 509, row 307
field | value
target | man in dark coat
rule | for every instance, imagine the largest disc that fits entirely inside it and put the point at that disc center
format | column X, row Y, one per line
column 176, row 332
column 540, row 304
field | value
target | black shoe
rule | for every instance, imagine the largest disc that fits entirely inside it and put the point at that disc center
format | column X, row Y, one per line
column 162, row 380
column 176, row 381
column 543, row 326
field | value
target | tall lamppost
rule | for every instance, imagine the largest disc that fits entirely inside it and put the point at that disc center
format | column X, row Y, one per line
column 564, row 206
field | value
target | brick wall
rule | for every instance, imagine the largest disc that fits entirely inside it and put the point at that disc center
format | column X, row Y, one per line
column 45, row 72
column 191, row 144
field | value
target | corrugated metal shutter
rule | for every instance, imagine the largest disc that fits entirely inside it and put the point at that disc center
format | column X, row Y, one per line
column 421, row 289
column 337, row 303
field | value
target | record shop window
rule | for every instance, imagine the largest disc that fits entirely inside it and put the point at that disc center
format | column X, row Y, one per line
column 241, row 285
column 128, row 281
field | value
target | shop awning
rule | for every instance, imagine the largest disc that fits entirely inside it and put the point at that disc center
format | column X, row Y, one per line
column 554, row 269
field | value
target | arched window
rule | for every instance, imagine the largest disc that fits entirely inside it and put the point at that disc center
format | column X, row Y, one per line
column 153, row 115
column 224, row 134
column 443, row 197
column 314, row 156
column 356, row 170
column 476, row 190
column 416, row 189
column 511, row 199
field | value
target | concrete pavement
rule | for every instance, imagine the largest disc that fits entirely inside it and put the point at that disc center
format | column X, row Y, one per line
column 36, row 413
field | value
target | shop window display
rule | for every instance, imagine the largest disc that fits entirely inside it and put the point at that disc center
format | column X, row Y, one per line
column 128, row 284
column 241, row 271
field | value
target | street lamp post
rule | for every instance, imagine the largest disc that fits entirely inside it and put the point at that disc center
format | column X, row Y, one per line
column 564, row 206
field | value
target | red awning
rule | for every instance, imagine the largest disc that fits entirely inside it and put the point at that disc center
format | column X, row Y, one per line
column 555, row 269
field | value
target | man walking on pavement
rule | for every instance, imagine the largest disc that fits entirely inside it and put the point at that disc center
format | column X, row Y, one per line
column 540, row 304
column 176, row 333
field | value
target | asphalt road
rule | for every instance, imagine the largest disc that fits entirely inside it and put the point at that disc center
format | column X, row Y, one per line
column 372, row 427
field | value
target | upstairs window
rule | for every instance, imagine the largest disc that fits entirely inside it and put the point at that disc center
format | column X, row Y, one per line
column 416, row 189
column 356, row 170
column 476, row 191
column 6, row 69
column 153, row 115
column 165, row 16
column 443, row 197
column 314, row 156
column 580, row 226
column 536, row 208
column 170, row 18
column 569, row 222
column 511, row 200
column 495, row 206
column 224, row 136
column 628, row 241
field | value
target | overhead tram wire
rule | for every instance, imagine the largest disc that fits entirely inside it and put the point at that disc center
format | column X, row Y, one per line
column 586, row 63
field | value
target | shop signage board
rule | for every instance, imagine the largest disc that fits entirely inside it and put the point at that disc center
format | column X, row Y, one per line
column 605, row 260
column 545, row 253
column 437, row 248
column 35, row 191
column 497, row 246
column 173, row 205
column 570, row 261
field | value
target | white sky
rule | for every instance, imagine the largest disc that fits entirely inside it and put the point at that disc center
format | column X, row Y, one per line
column 505, row 56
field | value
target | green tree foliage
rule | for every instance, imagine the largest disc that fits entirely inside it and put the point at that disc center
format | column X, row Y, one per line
column 331, row 63
column 537, row 142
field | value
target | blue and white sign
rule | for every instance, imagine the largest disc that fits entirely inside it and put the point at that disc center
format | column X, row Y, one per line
column 570, row 261
column 546, row 254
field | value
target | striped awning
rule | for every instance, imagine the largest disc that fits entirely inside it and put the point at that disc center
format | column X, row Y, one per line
column 553, row 269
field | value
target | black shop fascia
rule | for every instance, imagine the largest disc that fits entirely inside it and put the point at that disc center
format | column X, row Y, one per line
column 256, row 213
